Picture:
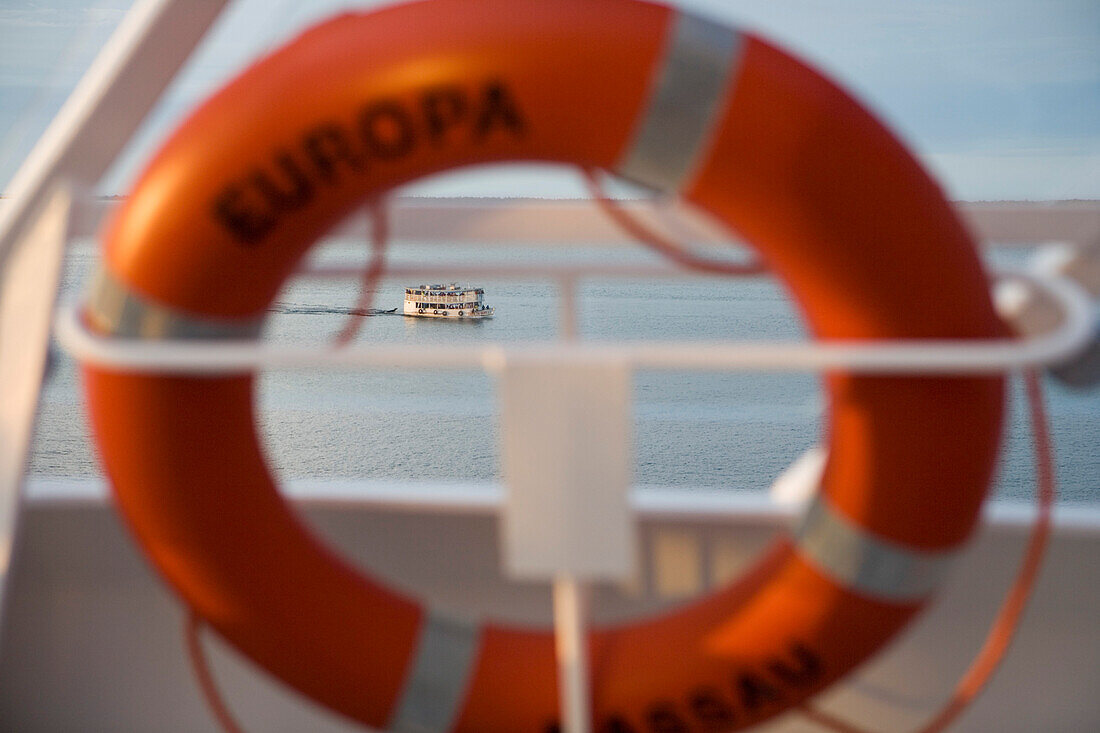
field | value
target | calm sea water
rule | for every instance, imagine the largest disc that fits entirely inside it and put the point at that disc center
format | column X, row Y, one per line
column 692, row 430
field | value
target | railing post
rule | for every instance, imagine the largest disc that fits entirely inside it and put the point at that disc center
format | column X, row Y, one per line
column 28, row 290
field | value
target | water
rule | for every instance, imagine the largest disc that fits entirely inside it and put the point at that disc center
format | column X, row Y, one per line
column 692, row 430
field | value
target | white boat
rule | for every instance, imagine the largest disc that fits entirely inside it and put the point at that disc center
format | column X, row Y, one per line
column 446, row 301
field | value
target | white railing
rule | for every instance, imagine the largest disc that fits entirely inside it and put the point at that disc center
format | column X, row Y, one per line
column 1074, row 333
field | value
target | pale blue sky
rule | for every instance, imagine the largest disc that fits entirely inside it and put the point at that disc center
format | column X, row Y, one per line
column 1001, row 98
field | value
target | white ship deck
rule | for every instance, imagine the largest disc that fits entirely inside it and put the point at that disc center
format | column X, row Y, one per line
column 90, row 635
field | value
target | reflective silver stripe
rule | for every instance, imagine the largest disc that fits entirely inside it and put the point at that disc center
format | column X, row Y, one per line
column 436, row 683
column 676, row 130
column 114, row 309
column 865, row 563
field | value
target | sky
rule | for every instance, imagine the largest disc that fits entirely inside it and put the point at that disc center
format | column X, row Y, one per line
column 999, row 98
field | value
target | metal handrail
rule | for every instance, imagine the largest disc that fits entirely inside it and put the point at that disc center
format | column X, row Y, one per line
column 912, row 356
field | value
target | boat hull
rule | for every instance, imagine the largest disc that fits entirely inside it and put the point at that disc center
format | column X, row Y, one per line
column 411, row 310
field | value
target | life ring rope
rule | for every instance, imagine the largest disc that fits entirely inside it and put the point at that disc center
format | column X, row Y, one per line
column 372, row 275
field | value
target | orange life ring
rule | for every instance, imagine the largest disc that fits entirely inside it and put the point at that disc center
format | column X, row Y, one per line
column 365, row 102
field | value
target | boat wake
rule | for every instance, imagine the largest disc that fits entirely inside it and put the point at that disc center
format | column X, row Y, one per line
column 305, row 309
